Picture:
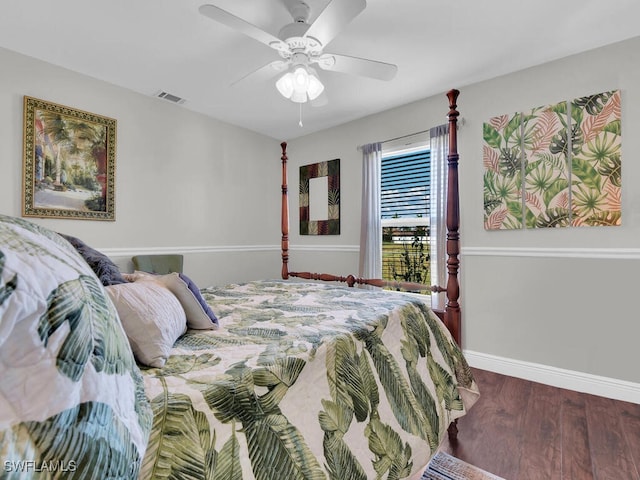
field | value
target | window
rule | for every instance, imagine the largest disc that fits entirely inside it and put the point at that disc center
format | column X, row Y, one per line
column 404, row 205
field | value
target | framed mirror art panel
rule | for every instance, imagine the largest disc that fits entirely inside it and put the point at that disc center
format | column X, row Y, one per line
column 320, row 198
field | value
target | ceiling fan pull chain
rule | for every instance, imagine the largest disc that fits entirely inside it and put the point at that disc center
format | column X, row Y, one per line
column 300, row 122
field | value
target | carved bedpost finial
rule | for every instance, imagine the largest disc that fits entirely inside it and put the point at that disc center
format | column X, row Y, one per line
column 284, row 215
column 452, row 95
column 453, row 114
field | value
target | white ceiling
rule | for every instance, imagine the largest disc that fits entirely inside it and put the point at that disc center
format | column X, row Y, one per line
column 153, row 45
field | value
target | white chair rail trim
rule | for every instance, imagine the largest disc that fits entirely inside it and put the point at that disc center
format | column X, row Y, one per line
column 595, row 253
column 130, row 251
column 326, row 248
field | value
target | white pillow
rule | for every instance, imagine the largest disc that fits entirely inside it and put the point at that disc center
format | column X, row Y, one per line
column 199, row 314
column 152, row 317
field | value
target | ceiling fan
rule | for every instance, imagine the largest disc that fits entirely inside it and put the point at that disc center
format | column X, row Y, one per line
column 301, row 45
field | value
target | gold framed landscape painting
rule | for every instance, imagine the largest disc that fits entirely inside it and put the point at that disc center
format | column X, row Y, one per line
column 69, row 162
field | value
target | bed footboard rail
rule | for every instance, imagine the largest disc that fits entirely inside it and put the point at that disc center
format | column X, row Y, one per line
column 352, row 280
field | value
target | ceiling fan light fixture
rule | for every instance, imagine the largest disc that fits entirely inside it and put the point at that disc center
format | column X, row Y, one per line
column 315, row 87
column 298, row 97
column 300, row 85
column 285, row 85
column 300, row 79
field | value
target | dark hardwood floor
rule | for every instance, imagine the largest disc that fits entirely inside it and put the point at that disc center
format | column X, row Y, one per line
column 522, row 430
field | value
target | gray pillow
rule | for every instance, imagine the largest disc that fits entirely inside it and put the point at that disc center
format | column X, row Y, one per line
column 107, row 272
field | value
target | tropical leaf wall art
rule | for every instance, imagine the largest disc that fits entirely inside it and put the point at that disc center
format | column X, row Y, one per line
column 596, row 165
column 564, row 179
column 546, row 171
column 502, row 157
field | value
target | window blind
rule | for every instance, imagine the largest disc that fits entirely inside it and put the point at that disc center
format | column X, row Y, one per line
column 405, row 185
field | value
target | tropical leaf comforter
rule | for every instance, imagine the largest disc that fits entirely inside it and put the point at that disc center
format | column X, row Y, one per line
column 72, row 402
column 306, row 381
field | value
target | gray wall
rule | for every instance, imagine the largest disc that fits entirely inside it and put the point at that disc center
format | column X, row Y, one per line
column 184, row 182
column 562, row 298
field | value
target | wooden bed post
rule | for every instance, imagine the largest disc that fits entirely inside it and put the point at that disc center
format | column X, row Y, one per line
column 452, row 315
column 284, row 216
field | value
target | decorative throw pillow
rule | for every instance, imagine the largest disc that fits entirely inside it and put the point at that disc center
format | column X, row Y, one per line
column 199, row 314
column 152, row 318
column 67, row 369
column 106, row 271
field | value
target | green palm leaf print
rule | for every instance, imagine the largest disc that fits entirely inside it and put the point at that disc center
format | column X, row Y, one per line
column 277, row 378
column 92, row 337
column 414, row 347
column 401, row 398
column 228, row 463
column 344, row 376
column 341, row 463
column 452, row 356
column 78, row 439
column 593, row 104
column 445, row 392
column 276, row 448
column 183, row 448
column 7, row 289
column 491, row 136
column 391, row 454
column 277, row 451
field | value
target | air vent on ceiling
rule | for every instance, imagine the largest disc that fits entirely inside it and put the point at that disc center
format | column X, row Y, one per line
column 169, row 97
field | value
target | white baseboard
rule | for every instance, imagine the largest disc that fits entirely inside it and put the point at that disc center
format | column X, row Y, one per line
column 557, row 377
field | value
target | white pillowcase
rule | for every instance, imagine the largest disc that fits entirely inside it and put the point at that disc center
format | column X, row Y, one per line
column 152, row 317
column 199, row 314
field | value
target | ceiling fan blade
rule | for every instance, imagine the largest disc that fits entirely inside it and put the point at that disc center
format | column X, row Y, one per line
column 357, row 66
column 242, row 26
column 264, row 73
column 336, row 15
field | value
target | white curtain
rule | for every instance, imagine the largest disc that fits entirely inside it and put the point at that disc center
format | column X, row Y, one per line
column 371, row 225
column 438, row 204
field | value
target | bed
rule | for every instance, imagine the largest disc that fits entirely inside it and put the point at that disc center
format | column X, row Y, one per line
column 312, row 381
column 114, row 375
